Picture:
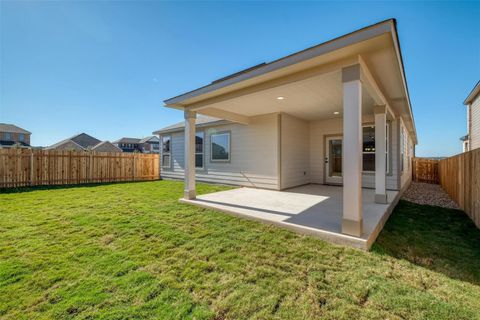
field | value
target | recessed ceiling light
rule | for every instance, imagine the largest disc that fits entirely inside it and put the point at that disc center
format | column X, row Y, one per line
column 280, row 98
column 336, row 112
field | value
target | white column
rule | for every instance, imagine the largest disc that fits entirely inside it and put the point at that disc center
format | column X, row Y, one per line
column 380, row 154
column 189, row 191
column 352, row 151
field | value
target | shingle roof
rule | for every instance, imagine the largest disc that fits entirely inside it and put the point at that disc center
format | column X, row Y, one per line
column 148, row 139
column 200, row 121
column 108, row 143
column 82, row 139
column 6, row 127
column 127, row 140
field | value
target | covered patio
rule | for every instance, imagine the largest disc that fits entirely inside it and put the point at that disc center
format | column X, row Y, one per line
column 310, row 209
column 330, row 181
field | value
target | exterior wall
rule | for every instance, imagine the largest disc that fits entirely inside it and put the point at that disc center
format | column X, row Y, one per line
column 15, row 137
column 319, row 130
column 295, row 151
column 253, row 155
column 475, row 123
column 408, row 152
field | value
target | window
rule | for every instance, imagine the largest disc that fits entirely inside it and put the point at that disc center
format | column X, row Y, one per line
column 8, row 136
column 368, row 149
column 21, row 137
column 220, row 146
column 199, row 149
column 166, row 151
column 402, row 147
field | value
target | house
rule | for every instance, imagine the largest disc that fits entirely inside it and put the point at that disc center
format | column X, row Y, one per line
column 323, row 138
column 146, row 145
column 472, row 139
column 84, row 142
column 150, row 144
column 11, row 135
column 128, row 144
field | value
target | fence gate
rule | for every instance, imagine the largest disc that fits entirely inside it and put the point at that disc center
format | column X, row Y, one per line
column 425, row 170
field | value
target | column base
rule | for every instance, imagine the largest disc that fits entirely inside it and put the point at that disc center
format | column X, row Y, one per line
column 189, row 194
column 352, row 227
column 381, row 198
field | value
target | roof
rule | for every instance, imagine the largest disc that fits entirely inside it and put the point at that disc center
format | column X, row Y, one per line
column 146, row 139
column 475, row 91
column 6, row 127
column 127, row 140
column 102, row 143
column 256, row 75
column 200, row 121
column 82, row 139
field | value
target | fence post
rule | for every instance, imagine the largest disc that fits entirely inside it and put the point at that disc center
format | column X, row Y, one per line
column 31, row 167
column 134, row 167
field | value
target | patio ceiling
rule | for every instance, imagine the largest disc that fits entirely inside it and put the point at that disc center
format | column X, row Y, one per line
column 314, row 98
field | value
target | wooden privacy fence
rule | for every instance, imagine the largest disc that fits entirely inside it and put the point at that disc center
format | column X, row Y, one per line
column 460, row 178
column 425, row 170
column 27, row 167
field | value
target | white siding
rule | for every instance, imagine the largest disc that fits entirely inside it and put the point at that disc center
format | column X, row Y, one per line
column 295, row 148
column 475, row 124
column 406, row 174
column 320, row 129
column 253, row 157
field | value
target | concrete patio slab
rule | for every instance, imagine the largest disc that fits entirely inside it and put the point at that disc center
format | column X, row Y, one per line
column 310, row 209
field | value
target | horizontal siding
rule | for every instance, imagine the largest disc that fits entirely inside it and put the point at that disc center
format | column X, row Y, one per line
column 475, row 124
column 295, row 165
column 253, row 159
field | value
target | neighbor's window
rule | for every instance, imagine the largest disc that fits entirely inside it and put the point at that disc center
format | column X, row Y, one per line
column 368, row 148
column 166, row 151
column 220, row 146
column 8, row 136
column 199, row 139
column 21, row 137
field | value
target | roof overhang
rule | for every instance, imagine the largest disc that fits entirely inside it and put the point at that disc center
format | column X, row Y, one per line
column 473, row 94
column 376, row 48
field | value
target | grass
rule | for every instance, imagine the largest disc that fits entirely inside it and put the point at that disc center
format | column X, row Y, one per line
column 131, row 251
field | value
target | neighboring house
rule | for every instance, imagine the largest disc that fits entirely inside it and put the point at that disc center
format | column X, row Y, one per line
column 146, row 145
column 472, row 139
column 337, row 113
column 11, row 135
column 129, row 144
column 150, row 144
column 84, row 142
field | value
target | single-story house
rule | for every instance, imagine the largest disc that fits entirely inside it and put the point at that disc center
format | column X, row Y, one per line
column 322, row 138
column 472, row 139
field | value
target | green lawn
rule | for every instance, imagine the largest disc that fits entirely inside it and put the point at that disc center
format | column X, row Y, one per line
column 133, row 251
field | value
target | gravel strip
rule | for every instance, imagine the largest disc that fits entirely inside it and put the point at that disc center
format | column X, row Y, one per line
column 427, row 193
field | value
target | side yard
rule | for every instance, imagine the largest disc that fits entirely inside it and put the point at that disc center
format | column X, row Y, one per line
column 133, row 251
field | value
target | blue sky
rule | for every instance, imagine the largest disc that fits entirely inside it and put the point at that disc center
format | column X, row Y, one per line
column 104, row 68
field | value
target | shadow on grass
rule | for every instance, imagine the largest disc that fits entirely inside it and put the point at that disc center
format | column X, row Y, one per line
column 442, row 240
column 66, row 186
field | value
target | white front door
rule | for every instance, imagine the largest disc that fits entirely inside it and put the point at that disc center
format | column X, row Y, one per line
column 333, row 160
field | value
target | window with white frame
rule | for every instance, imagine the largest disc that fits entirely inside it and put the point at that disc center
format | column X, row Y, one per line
column 220, row 146
column 199, row 147
column 21, row 137
column 402, row 147
column 368, row 148
column 166, row 151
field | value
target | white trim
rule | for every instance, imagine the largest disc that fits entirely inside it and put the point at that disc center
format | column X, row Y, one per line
column 387, row 147
column 228, row 134
column 169, row 153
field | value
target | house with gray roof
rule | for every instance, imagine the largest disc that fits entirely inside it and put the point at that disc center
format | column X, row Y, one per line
column 84, row 142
